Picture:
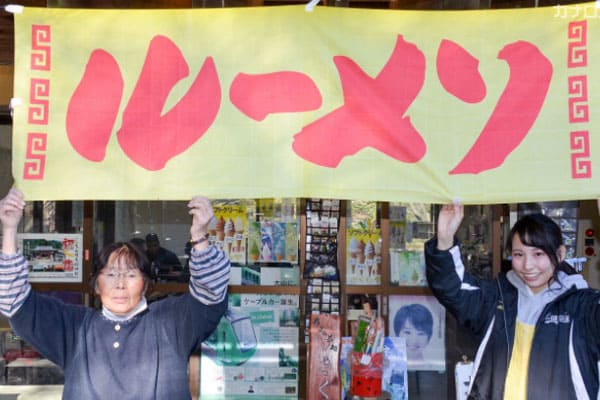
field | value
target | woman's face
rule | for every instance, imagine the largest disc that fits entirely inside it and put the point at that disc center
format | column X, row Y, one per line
column 416, row 340
column 532, row 265
column 120, row 288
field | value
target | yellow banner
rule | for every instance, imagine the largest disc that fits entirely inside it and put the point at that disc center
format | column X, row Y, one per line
column 419, row 106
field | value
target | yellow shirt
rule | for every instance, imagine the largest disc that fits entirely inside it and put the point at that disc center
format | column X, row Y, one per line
column 515, row 386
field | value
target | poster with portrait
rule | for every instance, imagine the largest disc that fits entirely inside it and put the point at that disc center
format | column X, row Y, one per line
column 421, row 321
column 53, row 257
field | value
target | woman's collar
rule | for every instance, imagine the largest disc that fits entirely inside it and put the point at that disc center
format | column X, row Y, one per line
column 141, row 306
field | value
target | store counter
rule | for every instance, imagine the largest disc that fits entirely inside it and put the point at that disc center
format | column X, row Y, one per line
column 31, row 392
column 33, row 371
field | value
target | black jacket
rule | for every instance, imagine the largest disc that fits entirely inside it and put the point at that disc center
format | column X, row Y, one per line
column 565, row 350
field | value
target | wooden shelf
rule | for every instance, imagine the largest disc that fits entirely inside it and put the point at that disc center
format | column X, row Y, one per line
column 294, row 290
column 387, row 290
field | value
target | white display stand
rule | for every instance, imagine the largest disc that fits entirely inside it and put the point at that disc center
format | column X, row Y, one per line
column 462, row 377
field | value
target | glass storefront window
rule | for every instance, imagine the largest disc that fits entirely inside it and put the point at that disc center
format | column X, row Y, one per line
column 52, row 217
column 475, row 234
column 50, row 237
column 260, row 236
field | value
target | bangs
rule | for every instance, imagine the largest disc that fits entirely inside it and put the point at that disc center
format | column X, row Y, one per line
column 123, row 257
column 535, row 235
column 528, row 238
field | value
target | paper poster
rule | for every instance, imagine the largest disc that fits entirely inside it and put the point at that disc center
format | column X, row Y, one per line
column 363, row 257
column 395, row 367
column 421, row 320
column 273, row 242
column 397, row 234
column 324, row 348
column 346, row 344
column 255, row 274
column 253, row 351
column 228, row 231
column 53, row 257
column 407, row 268
column 397, row 227
column 281, row 275
column 265, row 208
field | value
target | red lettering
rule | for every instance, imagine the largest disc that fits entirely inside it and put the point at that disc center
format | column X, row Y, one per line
column 516, row 110
column 372, row 114
column 458, row 73
column 94, row 106
column 150, row 137
column 260, row 95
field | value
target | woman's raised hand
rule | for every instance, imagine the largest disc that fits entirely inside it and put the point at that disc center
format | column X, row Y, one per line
column 11, row 209
column 202, row 212
column 449, row 220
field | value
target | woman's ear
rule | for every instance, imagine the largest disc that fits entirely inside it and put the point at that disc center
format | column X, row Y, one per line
column 562, row 253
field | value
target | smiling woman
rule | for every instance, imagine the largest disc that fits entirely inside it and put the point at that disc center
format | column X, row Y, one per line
column 539, row 319
column 414, row 323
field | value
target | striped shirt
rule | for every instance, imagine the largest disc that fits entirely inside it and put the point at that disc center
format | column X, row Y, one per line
column 14, row 285
column 209, row 270
column 209, row 275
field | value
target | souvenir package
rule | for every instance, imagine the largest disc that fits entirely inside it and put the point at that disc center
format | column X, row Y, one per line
column 364, row 359
column 366, row 368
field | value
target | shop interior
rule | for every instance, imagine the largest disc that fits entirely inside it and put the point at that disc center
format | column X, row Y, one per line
column 318, row 264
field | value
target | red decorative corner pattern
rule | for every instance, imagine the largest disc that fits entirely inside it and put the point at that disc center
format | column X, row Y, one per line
column 35, row 156
column 34, row 165
column 577, row 35
column 581, row 165
column 577, row 88
column 578, row 99
column 39, row 93
column 40, row 47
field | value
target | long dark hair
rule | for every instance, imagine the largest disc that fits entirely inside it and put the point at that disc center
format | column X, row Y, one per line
column 540, row 231
column 132, row 256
